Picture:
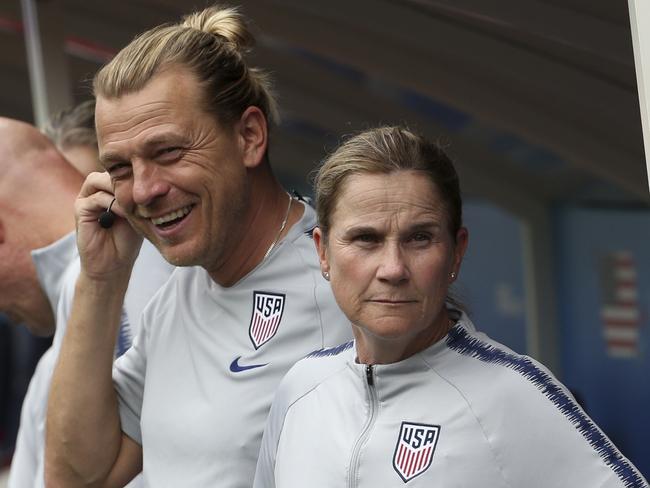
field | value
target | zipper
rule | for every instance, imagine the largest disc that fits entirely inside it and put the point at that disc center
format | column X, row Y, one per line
column 369, row 379
column 367, row 428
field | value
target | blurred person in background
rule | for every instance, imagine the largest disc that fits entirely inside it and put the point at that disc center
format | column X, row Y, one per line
column 419, row 396
column 28, row 220
column 73, row 132
column 39, row 185
column 37, row 194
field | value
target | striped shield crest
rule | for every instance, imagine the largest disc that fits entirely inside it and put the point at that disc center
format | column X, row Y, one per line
column 414, row 450
column 267, row 313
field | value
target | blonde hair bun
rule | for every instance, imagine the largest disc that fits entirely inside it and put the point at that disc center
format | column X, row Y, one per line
column 210, row 44
column 226, row 22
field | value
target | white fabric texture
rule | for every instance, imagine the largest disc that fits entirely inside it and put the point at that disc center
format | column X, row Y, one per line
column 195, row 389
column 57, row 267
column 470, row 412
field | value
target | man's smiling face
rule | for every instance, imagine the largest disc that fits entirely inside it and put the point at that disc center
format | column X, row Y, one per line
column 176, row 171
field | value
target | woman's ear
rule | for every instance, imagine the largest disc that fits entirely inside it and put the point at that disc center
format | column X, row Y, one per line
column 462, row 239
column 321, row 248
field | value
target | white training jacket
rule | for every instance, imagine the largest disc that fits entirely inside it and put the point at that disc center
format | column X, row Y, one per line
column 465, row 412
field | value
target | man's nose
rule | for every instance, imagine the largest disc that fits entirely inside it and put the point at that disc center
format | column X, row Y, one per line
column 148, row 183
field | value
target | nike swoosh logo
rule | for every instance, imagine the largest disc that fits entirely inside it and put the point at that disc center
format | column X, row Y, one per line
column 235, row 367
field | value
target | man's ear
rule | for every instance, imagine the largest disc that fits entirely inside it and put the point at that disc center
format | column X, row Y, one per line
column 321, row 249
column 2, row 231
column 253, row 133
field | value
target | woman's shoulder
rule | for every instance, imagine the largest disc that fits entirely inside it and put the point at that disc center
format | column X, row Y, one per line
column 528, row 416
column 475, row 361
column 505, row 390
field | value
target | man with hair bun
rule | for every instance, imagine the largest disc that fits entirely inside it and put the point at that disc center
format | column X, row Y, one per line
column 182, row 125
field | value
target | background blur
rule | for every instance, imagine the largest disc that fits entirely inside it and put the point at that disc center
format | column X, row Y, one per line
column 537, row 102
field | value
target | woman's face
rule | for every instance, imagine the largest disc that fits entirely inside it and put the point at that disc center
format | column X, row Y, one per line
column 390, row 258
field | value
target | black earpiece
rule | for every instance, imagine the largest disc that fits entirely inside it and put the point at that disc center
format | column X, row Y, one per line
column 107, row 218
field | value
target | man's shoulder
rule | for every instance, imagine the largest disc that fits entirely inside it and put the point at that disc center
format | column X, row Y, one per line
column 314, row 369
column 178, row 290
column 303, row 231
column 150, row 273
column 294, row 262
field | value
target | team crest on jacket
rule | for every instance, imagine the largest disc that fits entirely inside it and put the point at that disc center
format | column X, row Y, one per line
column 414, row 450
column 267, row 313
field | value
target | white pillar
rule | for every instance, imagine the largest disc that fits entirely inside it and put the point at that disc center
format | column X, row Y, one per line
column 640, row 24
column 46, row 59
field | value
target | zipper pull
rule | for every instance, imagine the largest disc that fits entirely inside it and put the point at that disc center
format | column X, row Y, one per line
column 369, row 377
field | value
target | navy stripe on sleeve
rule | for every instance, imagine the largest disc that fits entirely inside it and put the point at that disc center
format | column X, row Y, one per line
column 332, row 351
column 462, row 342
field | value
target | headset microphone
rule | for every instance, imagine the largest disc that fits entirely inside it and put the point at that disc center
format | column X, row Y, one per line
column 107, row 218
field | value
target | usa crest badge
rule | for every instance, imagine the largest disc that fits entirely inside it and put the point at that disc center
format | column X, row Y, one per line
column 267, row 313
column 414, row 450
